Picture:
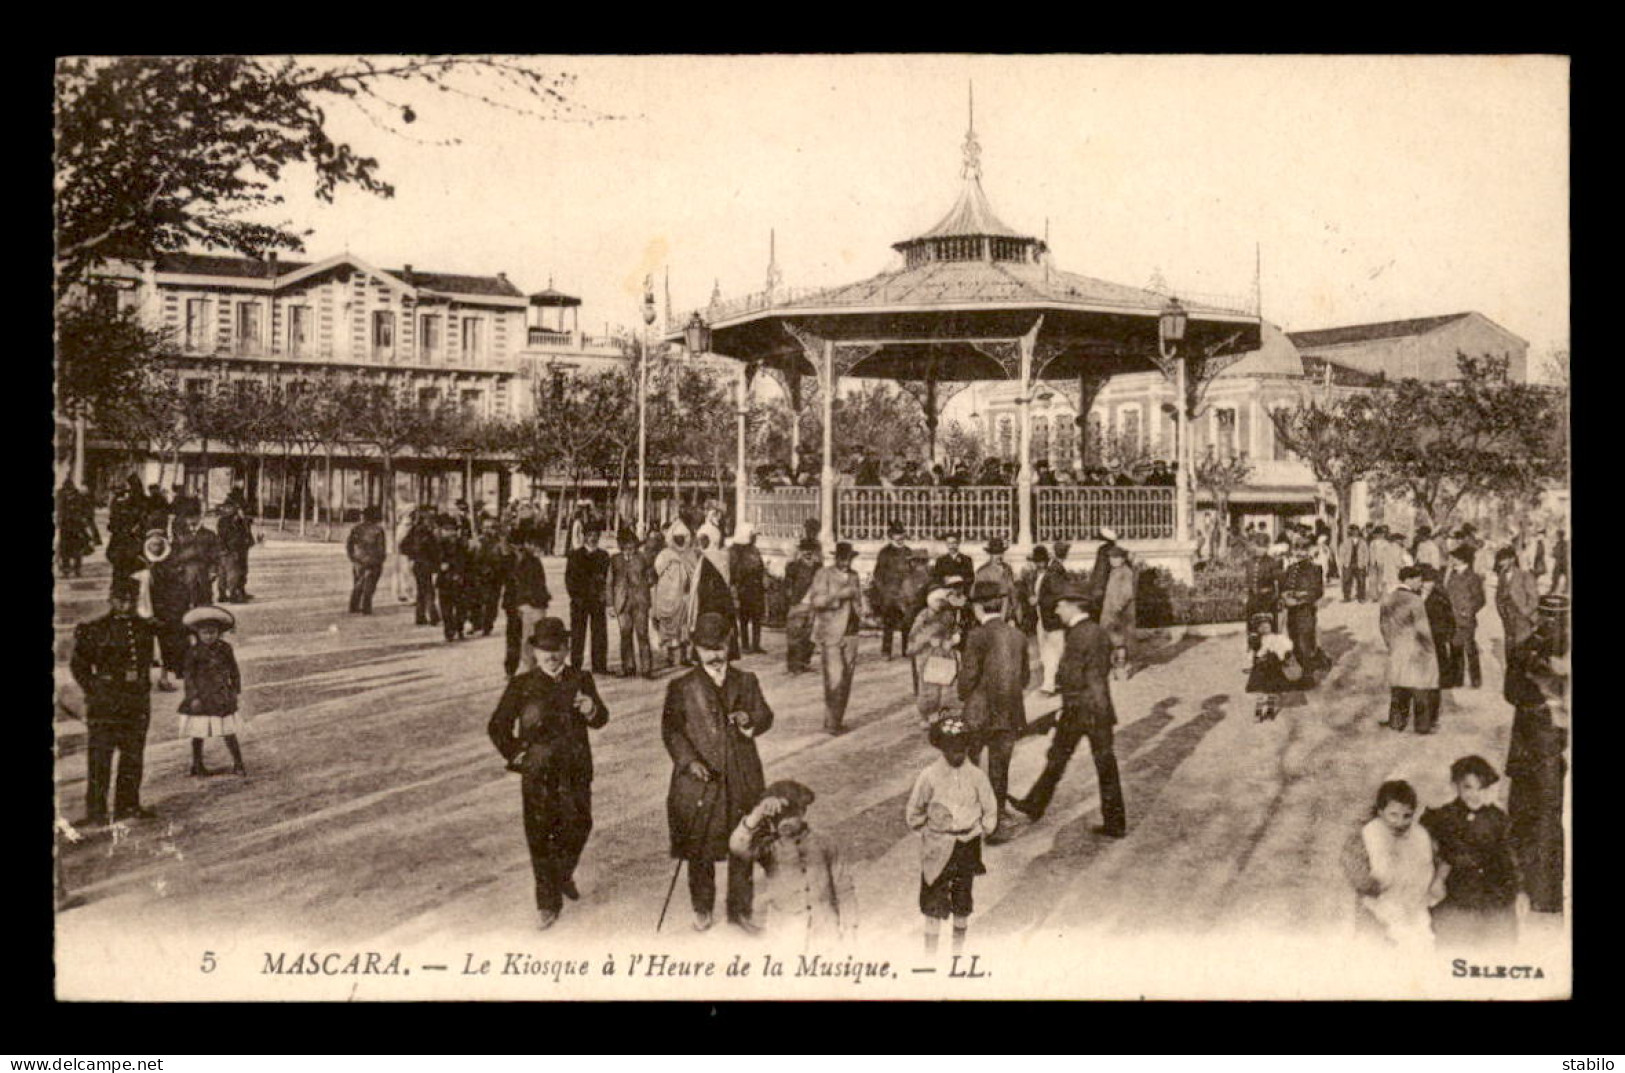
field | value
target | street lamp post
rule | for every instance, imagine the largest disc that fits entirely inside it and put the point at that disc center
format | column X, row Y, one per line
column 643, row 410
column 1170, row 337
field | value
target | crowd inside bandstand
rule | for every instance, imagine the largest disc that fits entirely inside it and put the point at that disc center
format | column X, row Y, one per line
column 868, row 470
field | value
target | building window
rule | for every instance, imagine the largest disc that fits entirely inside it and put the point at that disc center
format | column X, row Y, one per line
column 471, row 339
column 248, row 327
column 298, row 330
column 104, row 299
column 1041, row 439
column 199, row 328
column 430, row 339
column 1224, row 432
column 196, row 387
column 383, row 335
column 472, row 401
column 428, row 398
column 1007, row 438
column 1066, row 442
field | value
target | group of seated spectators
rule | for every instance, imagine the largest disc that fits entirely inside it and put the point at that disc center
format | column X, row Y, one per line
column 865, row 470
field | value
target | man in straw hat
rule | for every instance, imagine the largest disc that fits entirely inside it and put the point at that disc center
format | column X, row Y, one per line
column 112, row 661
column 1086, row 712
column 540, row 728
column 837, row 603
column 711, row 719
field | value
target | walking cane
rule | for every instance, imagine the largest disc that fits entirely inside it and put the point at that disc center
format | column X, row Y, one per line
column 672, row 887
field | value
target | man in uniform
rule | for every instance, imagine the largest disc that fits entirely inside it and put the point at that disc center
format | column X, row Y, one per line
column 992, row 681
column 586, row 577
column 366, row 546
column 711, row 719
column 524, row 595
column 798, row 618
column 540, row 728
column 629, row 578
column 112, row 661
column 1086, row 711
column 891, row 569
column 1302, row 586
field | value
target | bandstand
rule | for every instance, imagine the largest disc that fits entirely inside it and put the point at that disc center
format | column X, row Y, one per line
column 974, row 301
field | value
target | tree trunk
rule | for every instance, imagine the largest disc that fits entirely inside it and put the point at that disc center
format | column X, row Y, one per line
column 327, row 530
column 304, row 491
column 287, row 467
column 259, row 490
column 205, row 446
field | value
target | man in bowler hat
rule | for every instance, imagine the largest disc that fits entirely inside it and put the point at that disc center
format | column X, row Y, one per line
column 540, row 728
column 1086, row 712
column 992, row 683
column 713, row 714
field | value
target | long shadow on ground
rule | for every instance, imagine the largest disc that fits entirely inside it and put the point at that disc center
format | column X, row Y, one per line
column 1047, row 877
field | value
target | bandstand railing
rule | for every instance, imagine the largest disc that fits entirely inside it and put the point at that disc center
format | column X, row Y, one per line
column 1071, row 512
column 975, row 513
column 780, row 512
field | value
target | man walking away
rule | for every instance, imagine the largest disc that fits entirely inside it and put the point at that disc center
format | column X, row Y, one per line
column 1086, row 712
column 524, row 596
column 1353, row 554
column 365, row 547
column 586, row 577
column 992, row 681
column 1465, row 590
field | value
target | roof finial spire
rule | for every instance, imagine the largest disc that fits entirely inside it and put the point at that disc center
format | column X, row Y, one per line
column 774, row 276
column 973, row 148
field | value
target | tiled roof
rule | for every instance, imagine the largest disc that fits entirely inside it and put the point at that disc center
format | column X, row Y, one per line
column 446, row 283
column 207, row 264
column 1365, row 333
column 1275, row 356
column 951, row 282
column 210, row 264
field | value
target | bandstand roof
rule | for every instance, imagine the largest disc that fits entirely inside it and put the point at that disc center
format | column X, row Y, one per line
column 948, row 316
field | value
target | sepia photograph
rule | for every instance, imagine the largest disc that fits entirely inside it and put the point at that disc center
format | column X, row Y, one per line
column 831, row 527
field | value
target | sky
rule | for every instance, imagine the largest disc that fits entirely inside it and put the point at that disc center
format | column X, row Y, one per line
column 1369, row 188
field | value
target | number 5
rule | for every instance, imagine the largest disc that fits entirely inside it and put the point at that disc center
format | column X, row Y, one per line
column 208, row 961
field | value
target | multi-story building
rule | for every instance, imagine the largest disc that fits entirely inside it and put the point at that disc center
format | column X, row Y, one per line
column 1133, row 415
column 476, row 341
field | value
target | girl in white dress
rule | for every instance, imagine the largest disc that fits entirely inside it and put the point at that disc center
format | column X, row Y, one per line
column 1392, row 866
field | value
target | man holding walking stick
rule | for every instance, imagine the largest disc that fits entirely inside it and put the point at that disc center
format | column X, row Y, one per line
column 712, row 716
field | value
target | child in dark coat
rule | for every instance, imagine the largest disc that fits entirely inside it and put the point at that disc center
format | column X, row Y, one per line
column 209, row 709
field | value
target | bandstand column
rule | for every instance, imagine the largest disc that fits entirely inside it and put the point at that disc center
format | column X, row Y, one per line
column 826, row 483
column 1182, row 440
column 1024, row 478
column 931, row 419
column 740, row 482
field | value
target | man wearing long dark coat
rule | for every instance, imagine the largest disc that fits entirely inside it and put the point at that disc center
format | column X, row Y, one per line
column 891, row 569
column 1302, row 586
column 540, row 728
column 422, row 547
column 992, row 683
column 1083, row 681
column 112, row 661
column 1537, row 688
column 712, row 717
